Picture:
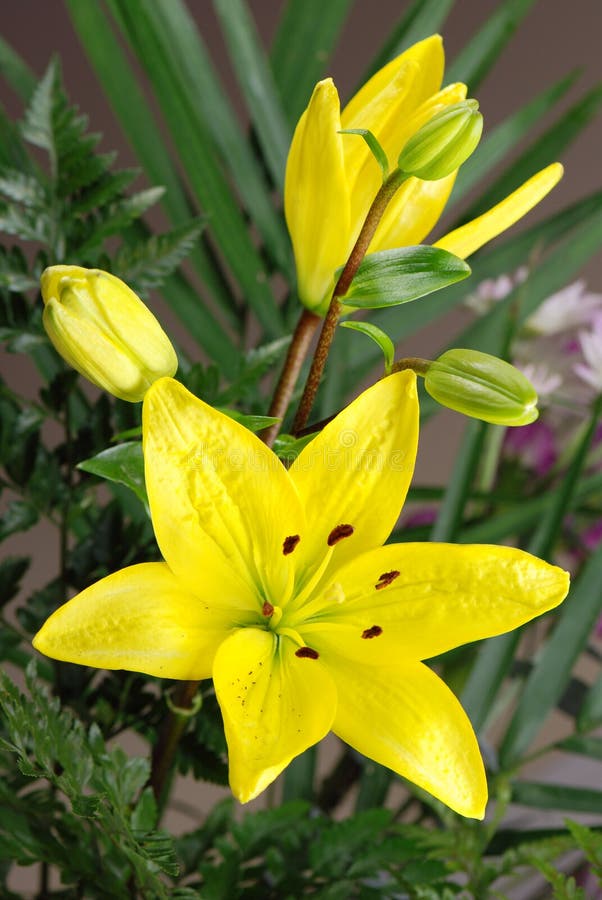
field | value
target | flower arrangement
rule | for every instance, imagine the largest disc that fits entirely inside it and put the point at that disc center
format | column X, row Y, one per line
column 234, row 582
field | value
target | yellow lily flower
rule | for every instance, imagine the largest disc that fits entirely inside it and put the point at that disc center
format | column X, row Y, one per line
column 332, row 178
column 275, row 584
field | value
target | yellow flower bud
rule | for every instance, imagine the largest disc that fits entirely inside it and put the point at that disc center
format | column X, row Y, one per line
column 104, row 330
column 482, row 386
column 443, row 143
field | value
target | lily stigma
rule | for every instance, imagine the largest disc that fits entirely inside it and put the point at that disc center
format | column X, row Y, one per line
column 276, row 585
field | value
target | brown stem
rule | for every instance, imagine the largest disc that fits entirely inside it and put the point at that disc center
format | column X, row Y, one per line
column 326, row 338
column 302, row 337
column 173, row 729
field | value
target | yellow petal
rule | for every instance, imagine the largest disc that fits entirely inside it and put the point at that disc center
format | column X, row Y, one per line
column 140, row 619
column 412, row 213
column 357, row 471
column 419, row 600
column 316, row 196
column 468, row 238
column 416, row 207
column 222, row 504
column 428, row 57
column 275, row 705
column 407, row 719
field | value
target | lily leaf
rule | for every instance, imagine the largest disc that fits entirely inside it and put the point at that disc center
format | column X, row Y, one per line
column 378, row 336
column 123, row 464
column 392, row 277
column 253, row 423
column 374, row 146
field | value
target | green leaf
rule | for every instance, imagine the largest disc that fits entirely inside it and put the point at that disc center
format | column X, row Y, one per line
column 552, row 670
column 476, row 59
column 20, row 516
column 590, row 714
column 392, row 277
column 374, row 146
column 307, row 32
column 378, row 336
column 12, row 570
column 21, row 187
column 545, row 150
column 16, row 71
column 253, row 423
column 584, row 746
column 288, row 447
column 123, row 463
column 146, row 265
column 179, row 102
column 502, row 140
column 255, row 81
column 542, row 795
column 460, row 484
column 419, row 21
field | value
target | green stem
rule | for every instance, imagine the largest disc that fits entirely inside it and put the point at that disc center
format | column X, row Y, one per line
column 356, row 256
column 169, row 738
column 415, row 363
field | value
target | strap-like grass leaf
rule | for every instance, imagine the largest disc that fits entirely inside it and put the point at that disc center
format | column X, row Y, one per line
column 479, row 55
column 552, row 671
column 542, row 795
column 16, row 72
column 392, row 277
column 545, row 150
column 505, row 137
column 421, row 19
column 590, row 714
column 378, row 336
column 460, row 483
column 179, row 105
column 307, row 32
column 256, row 83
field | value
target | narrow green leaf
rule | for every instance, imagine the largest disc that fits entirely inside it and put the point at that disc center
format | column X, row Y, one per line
column 584, row 746
column 288, row 447
column 253, row 423
column 505, row 137
column 374, row 787
column 460, row 484
column 552, row 671
column 392, row 277
column 123, row 463
column 545, row 150
column 195, row 148
column 419, row 21
column 256, row 83
column 374, row 146
column 16, row 71
column 298, row 780
column 542, row 795
column 138, row 122
column 197, row 77
column 378, row 336
column 479, row 55
column 590, row 714
column 306, row 35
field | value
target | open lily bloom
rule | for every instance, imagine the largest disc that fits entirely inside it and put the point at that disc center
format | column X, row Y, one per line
column 275, row 584
column 332, row 178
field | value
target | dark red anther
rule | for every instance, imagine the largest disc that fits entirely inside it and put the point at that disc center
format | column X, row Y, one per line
column 267, row 610
column 337, row 534
column 306, row 653
column 289, row 543
column 373, row 632
column 386, row 578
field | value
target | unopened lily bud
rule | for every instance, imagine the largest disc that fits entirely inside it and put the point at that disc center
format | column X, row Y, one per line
column 482, row 386
column 443, row 143
column 104, row 330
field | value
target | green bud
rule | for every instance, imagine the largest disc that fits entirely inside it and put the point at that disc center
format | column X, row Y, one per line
column 104, row 331
column 482, row 386
column 443, row 143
